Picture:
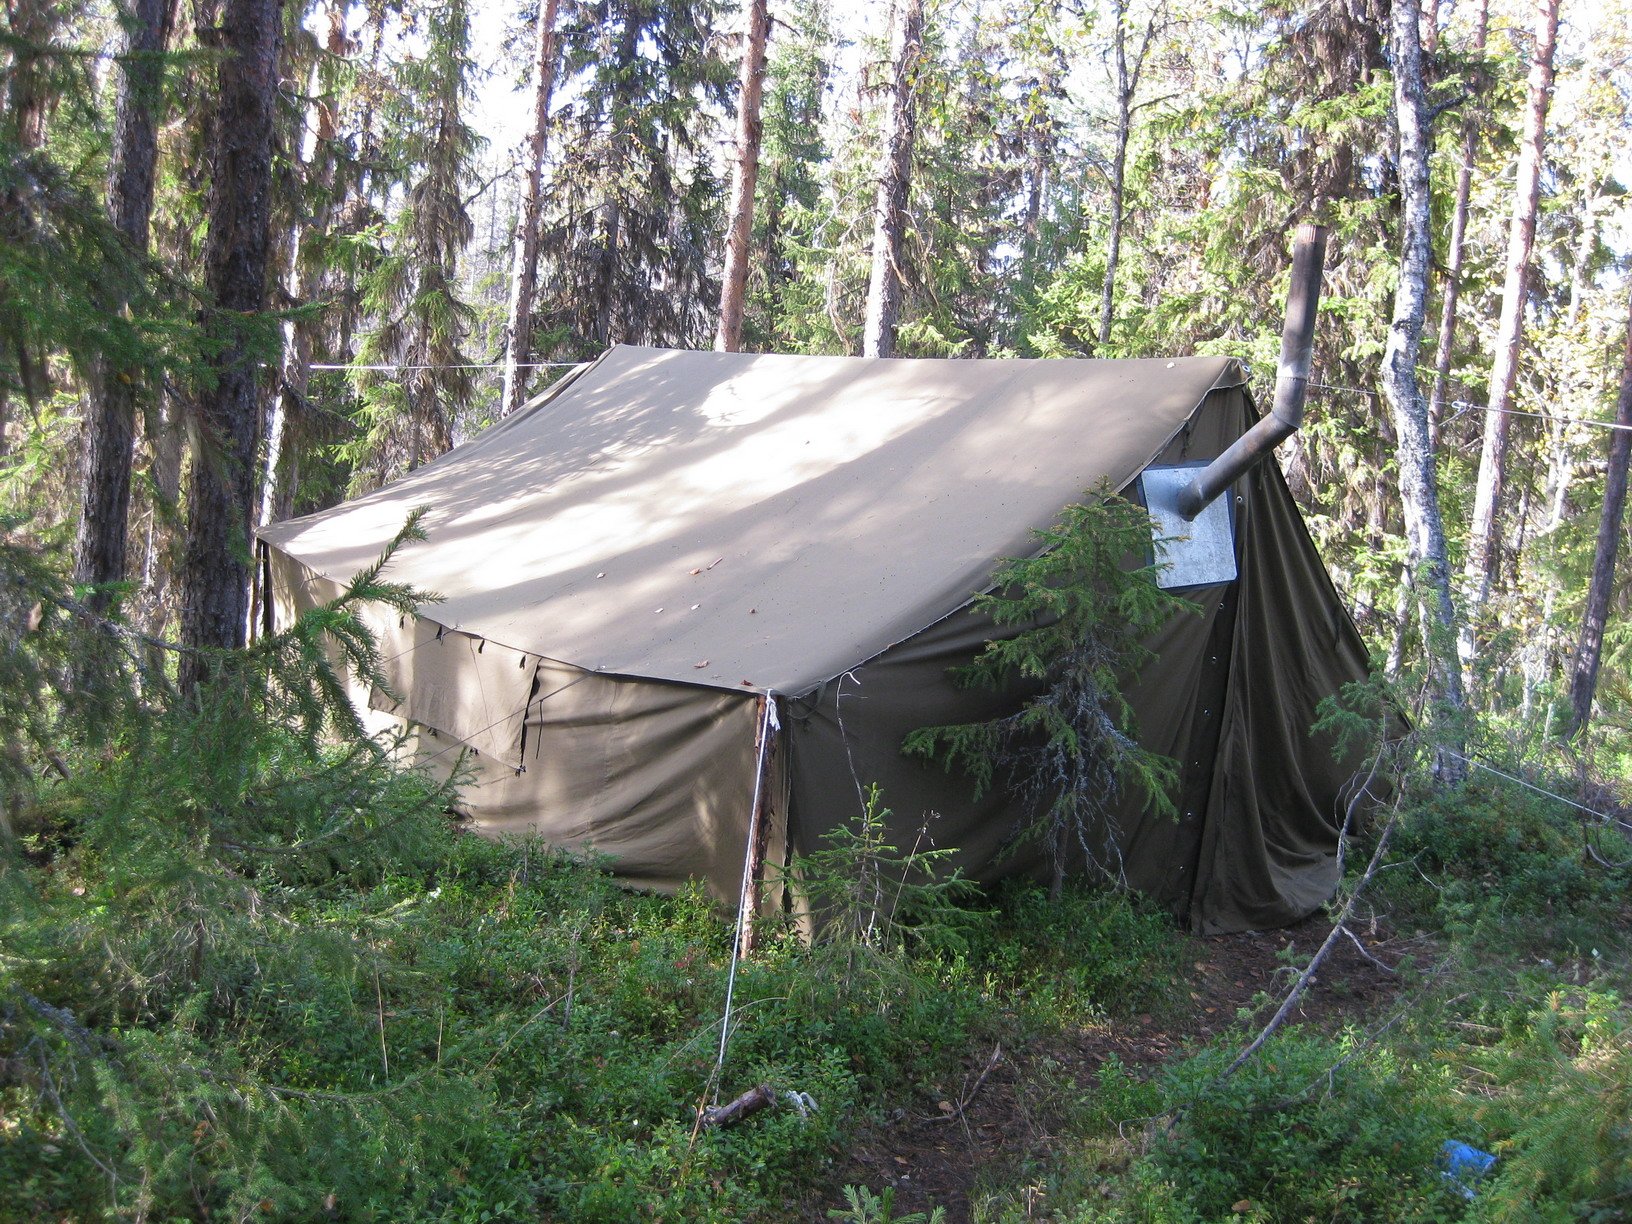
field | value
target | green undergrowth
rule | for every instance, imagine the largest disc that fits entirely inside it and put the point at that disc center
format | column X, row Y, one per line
column 1511, row 1033
column 1509, row 873
column 403, row 1021
column 249, row 969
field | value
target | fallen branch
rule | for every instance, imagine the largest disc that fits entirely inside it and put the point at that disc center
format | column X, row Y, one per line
column 970, row 1092
column 1338, row 930
column 750, row 1102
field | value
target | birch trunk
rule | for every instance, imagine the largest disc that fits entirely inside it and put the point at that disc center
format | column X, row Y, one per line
column 1484, row 531
column 1589, row 650
column 894, row 179
column 1419, row 492
column 114, row 393
column 215, row 566
column 524, row 271
column 1455, row 256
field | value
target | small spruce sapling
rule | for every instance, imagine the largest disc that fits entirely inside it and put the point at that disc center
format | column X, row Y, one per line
column 1082, row 617
column 870, row 898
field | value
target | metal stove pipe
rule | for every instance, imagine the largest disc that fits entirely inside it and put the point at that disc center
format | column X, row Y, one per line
column 1291, row 379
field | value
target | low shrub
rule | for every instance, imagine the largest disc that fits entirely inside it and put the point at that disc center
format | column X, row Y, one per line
column 1504, row 869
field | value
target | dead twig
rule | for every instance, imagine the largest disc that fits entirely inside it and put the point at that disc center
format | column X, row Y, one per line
column 1361, row 948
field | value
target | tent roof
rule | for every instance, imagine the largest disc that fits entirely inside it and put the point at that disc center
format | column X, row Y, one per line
column 750, row 521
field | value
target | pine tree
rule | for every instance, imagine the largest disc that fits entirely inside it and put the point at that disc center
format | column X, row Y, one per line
column 109, row 440
column 215, row 574
column 1484, row 531
column 896, row 130
column 311, row 244
column 1589, row 650
column 744, row 178
column 1456, row 251
column 1077, row 623
column 518, row 335
column 791, row 226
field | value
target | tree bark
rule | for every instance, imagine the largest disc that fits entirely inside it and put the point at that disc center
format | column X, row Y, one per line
column 1419, row 491
column 739, row 239
column 1127, row 85
column 518, row 334
column 304, row 282
column 216, row 561
column 110, row 417
column 1455, row 256
column 894, row 180
column 1589, row 650
column 29, row 99
column 1484, row 532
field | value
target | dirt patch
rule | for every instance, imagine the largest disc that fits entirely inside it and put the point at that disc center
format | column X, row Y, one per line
column 933, row 1151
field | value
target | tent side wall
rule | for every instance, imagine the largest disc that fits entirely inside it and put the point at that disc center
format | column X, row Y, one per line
column 1232, row 860
column 657, row 776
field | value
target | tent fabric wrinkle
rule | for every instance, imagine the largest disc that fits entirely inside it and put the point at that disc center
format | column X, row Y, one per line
column 666, row 550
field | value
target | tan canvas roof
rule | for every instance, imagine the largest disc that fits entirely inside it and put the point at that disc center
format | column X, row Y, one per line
column 755, row 521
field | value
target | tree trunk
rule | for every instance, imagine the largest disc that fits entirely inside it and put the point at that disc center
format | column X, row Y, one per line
column 1458, row 250
column 110, row 417
column 165, row 444
column 215, row 567
column 1419, row 492
column 739, row 240
column 1589, row 650
column 29, row 99
column 304, row 283
column 518, row 334
column 1543, row 645
column 1127, row 85
column 1119, row 163
column 1484, row 532
column 894, row 179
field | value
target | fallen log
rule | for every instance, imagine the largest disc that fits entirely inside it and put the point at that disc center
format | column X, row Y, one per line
column 752, row 1101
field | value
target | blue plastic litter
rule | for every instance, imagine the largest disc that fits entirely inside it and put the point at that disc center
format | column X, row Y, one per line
column 1464, row 1164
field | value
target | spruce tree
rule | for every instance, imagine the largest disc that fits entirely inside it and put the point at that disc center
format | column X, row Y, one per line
column 628, row 248
column 408, row 411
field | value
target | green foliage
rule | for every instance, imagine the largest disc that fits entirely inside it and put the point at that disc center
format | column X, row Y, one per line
column 1339, row 1129
column 1559, row 1088
column 1080, row 616
column 632, row 225
column 1507, row 870
column 412, row 290
column 250, row 969
column 1079, row 957
column 865, row 893
column 862, row 1206
column 69, row 281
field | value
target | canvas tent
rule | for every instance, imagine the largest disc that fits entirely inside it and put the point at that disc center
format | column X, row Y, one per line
column 682, row 588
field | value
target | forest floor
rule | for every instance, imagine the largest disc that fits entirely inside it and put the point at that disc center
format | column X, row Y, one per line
column 996, row 1119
